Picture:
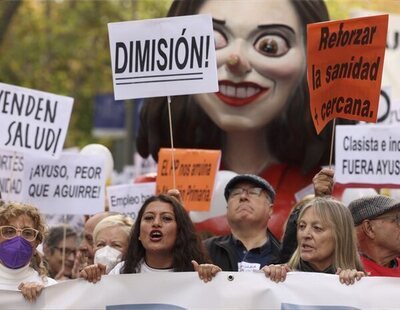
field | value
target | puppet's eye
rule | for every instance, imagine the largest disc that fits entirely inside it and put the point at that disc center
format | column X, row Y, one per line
column 272, row 45
column 220, row 39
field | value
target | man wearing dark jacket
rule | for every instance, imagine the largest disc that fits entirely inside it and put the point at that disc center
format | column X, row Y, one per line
column 250, row 246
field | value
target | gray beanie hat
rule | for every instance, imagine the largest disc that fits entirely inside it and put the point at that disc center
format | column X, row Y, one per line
column 371, row 207
column 251, row 178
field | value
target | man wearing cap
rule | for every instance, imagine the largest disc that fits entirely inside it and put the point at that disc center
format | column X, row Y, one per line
column 377, row 221
column 250, row 246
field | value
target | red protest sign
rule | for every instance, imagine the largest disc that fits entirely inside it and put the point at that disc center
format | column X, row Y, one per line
column 345, row 62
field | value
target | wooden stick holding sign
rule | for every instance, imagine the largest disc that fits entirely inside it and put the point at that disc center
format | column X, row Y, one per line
column 172, row 143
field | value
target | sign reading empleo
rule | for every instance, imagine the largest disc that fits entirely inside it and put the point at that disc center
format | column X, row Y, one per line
column 129, row 198
column 345, row 62
column 195, row 172
column 368, row 154
column 163, row 57
column 33, row 121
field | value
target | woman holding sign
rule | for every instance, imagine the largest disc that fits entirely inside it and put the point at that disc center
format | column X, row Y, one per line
column 163, row 240
column 326, row 243
column 260, row 118
column 22, row 229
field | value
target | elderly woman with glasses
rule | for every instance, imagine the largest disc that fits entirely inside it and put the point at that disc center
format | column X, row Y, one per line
column 22, row 229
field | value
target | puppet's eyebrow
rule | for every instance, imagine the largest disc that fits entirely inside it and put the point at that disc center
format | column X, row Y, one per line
column 219, row 21
column 277, row 26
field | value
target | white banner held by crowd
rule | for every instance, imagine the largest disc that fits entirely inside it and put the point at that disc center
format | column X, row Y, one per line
column 33, row 121
column 367, row 154
column 163, row 57
column 234, row 290
column 128, row 198
column 73, row 184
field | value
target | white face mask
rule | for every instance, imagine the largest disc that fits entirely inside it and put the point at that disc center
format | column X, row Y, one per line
column 108, row 256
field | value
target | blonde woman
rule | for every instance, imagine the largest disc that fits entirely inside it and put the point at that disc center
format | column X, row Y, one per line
column 22, row 229
column 326, row 243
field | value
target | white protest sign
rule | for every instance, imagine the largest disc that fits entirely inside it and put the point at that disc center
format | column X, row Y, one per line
column 129, row 198
column 33, row 121
column 367, row 154
column 144, row 165
column 389, row 109
column 11, row 175
column 390, row 75
column 163, row 57
column 72, row 184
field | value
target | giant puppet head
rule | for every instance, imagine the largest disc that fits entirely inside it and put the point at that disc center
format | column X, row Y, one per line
column 260, row 117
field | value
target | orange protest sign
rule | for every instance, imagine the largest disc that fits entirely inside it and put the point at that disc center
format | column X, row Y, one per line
column 195, row 172
column 345, row 63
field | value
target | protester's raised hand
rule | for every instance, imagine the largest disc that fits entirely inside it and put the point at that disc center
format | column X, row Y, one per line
column 323, row 182
column 276, row 273
column 173, row 192
column 93, row 273
column 31, row 290
column 80, row 262
column 349, row 276
column 206, row 271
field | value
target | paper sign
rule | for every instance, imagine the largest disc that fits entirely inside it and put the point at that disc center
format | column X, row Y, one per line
column 367, row 154
column 390, row 75
column 129, row 198
column 33, row 121
column 345, row 63
column 163, row 57
column 195, row 172
column 11, row 175
column 72, row 184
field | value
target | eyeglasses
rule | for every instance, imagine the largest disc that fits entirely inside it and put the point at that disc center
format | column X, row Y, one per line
column 393, row 218
column 68, row 251
column 9, row 232
column 252, row 192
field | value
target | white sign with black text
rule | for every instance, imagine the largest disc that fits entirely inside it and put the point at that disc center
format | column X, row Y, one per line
column 129, row 198
column 163, row 57
column 367, row 154
column 11, row 175
column 72, row 184
column 33, row 121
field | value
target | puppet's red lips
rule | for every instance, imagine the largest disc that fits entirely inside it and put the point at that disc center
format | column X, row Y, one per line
column 239, row 94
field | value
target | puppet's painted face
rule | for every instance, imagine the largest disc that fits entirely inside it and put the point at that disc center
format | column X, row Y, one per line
column 260, row 58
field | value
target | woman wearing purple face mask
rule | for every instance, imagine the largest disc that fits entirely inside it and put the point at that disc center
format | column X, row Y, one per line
column 21, row 268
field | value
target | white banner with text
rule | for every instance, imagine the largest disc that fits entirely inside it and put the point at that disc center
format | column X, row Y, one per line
column 184, row 290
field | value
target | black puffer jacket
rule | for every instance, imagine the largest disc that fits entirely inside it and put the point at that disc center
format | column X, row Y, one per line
column 223, row 253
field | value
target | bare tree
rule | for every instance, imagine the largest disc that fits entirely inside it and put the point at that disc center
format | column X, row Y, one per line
column 8, row 9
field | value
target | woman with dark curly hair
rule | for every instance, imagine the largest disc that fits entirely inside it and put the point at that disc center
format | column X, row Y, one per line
column 163, row 240
column 22, row 229
column 260, row 118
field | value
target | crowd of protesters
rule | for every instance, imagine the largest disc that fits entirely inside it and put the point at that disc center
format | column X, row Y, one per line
column 321, row 236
